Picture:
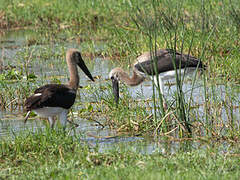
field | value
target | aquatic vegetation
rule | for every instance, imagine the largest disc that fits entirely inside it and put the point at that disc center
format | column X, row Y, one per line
column 120, row 31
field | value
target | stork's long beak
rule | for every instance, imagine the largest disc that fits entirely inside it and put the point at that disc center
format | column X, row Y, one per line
column 115, row 85
column 84, row 68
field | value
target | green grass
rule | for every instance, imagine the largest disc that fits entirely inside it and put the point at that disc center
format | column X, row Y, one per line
column 122, row 27
column 48, row 154
column 114, row 23
column 120, row 31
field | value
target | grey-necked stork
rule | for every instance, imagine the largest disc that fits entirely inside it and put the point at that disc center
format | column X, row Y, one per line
column 56, row 99
column 162, row 64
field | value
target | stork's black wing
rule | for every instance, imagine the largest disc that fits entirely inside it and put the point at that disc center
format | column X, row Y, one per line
column 165, row 60
column 51, row 95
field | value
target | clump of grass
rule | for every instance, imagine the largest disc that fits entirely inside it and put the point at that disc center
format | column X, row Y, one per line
column 235, row 14
column 13, row 96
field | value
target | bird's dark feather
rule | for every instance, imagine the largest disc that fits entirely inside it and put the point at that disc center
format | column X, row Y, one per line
column 52, row 95
column 165, row 60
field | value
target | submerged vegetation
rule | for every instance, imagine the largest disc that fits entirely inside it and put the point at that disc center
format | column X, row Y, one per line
column 119, row 31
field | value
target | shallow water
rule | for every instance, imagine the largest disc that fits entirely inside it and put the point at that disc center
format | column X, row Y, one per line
column 12, row 122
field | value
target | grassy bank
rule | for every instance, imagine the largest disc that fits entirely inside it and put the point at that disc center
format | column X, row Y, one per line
column 46, row 154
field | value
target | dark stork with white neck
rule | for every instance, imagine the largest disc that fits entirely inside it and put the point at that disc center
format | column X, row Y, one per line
column 56, row 99
column 162, row 64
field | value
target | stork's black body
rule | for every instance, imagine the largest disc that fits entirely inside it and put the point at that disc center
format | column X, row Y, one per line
column 52, row 95
column 56, row 99
column 162, row 63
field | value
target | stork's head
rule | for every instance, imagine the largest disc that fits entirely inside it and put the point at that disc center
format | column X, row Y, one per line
column 73, row 56
column 115, row 76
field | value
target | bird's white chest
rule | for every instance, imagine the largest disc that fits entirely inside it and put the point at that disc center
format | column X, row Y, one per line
column 49, row 111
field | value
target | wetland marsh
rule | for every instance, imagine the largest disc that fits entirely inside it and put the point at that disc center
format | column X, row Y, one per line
column 135, row 140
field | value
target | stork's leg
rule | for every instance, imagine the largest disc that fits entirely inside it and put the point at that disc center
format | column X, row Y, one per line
column 26, row 117
column 51, row 121
column 165, row 106
column 159, row 83
column 63, row 117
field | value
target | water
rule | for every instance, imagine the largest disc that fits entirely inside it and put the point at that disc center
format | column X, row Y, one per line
column 12, row 122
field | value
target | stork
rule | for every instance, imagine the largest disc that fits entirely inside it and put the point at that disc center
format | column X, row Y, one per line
column 162, row 64
column 56, row 99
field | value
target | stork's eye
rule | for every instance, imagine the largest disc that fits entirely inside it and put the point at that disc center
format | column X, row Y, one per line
column 77, row 56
